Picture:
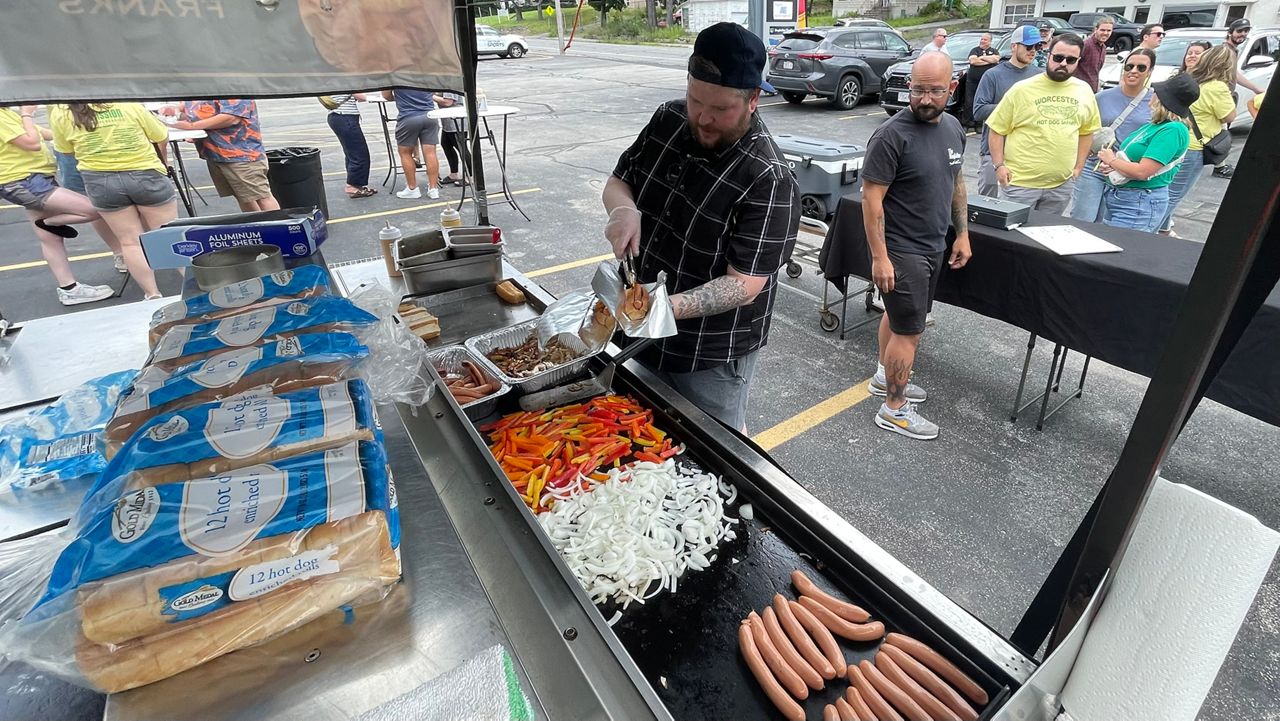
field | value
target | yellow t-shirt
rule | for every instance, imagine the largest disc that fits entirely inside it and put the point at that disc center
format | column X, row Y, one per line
column 16, row 163
column 122, row 140
column 1215, row 103
column 1042, row 122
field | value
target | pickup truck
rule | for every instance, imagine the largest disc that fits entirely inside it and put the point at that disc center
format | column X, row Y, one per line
column 1124, row 36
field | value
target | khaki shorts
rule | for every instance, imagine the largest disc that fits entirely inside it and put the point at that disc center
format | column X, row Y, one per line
column 244, row 181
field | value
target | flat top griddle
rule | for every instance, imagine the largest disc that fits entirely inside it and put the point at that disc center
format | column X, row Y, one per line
column 686, row 643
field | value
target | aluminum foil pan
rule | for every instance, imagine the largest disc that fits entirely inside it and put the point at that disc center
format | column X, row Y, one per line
column 449, row 360
column 661, row 321
column 515, row 335
column 569, row 316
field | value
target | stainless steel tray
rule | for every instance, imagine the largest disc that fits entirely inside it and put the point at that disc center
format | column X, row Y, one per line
column 450, row 272
column 473, row 239
column 476, row 309
column 418, row 248
column 449, row 360
column 515, row 335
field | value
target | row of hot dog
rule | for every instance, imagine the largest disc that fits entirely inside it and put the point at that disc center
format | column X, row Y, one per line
column 791, row 648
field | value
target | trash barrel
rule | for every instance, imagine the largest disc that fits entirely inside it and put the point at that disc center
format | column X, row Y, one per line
column 296, row 178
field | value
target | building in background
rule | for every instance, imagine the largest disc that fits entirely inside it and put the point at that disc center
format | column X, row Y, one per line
column 882, row 9
column 1173, row 13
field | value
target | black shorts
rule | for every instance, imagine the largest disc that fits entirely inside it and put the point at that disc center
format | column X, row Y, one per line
column 915, row 280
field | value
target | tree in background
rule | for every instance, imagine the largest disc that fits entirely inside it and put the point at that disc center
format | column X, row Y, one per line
column 651, row 13
column 604, row 6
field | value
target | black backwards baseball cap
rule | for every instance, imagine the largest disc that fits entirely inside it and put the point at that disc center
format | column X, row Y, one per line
column 1240, row 24
column 734, row 52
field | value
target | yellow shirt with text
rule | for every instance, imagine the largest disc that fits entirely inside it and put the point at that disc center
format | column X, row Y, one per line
column 122, row 141
column 1215, row 103
column 16, row 163
column 1042, row 122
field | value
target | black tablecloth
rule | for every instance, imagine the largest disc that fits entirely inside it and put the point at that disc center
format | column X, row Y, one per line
column 1117, row 307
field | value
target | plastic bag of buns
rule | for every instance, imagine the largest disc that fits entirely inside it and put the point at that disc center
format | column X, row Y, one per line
column 171, row 576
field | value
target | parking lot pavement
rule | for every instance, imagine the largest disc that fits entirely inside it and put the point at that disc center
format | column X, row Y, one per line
column 981, row 513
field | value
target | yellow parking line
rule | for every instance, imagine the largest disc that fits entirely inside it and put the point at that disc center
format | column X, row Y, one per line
column 410, row 209
column 568, row 266
column 366, row 216
column 198, row 187
column 38, row 263
column 812, row 416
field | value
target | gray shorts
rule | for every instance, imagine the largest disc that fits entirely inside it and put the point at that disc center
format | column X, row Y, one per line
column 415, row 129
column 122, row 189
column 1048, row 200
column 721, row 391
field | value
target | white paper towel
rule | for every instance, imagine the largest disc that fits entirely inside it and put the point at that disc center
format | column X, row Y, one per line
column 485, row 688
column 1182, row 590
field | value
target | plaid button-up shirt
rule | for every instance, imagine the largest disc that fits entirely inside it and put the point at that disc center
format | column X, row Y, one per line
column 702, row 212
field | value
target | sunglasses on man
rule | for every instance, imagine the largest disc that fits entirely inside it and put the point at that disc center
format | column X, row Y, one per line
column 1130, row 67
column 1159, row 35
column 1068, row 59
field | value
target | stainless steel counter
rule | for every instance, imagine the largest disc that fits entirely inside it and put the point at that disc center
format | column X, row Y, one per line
column 49, row 356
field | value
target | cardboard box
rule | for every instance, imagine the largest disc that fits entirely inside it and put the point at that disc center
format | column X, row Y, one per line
column 298, row 232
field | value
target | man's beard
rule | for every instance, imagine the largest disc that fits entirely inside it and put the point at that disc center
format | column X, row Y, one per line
column 727, row 138
column 925, row 113
column 1059, row 75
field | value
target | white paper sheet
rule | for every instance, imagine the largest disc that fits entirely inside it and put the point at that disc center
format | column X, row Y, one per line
column 1068, row 240
column 1182, row 590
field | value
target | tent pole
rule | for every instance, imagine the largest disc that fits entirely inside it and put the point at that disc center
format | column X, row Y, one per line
column 465, row 24
column 1238, row 268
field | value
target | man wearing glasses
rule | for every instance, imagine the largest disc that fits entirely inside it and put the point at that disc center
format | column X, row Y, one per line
column 1152, row 36
column 992, row 88
column 913, row 161
column 1042, row 130
column 938, row 43
column 1237, row 33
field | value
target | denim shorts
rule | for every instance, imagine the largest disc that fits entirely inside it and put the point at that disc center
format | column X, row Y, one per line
column 31, row 192
column 122, row 189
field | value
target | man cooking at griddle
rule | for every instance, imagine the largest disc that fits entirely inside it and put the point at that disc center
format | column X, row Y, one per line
column 704, row 194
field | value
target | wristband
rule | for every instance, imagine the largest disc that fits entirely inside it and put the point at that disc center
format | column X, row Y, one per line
column 28, row 115
column 625, row 207
column 1001, row 165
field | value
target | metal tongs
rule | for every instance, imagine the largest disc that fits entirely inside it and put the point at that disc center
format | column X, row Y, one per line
column 627, row 271
column 589, row 387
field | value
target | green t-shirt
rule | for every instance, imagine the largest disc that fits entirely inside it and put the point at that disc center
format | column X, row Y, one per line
column 1163, row 143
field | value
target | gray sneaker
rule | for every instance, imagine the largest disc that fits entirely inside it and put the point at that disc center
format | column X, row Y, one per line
column 914, row 393
column 82, row 293
column 906, row 421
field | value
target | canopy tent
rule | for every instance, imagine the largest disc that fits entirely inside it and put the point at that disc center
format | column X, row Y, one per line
column 160, row 49
column 103, row 50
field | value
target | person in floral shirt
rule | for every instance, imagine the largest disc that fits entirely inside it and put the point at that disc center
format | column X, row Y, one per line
column 232, row 149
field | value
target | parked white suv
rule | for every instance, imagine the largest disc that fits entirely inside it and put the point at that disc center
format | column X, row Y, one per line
column 1261, row 52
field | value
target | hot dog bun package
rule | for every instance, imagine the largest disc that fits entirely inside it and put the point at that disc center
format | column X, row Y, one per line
column 306, row 281
column 257, row 426
column 287, row 364
column 171, row 575
column 49, row 449
column 258, row 325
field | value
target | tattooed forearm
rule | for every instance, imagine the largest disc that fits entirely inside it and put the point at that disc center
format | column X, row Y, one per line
column 960, row 207
column 714, row 296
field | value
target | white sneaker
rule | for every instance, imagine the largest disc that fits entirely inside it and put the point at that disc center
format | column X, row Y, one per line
column 409, row 193
column 433, row 192
column 82, row 293
column 121, row 266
